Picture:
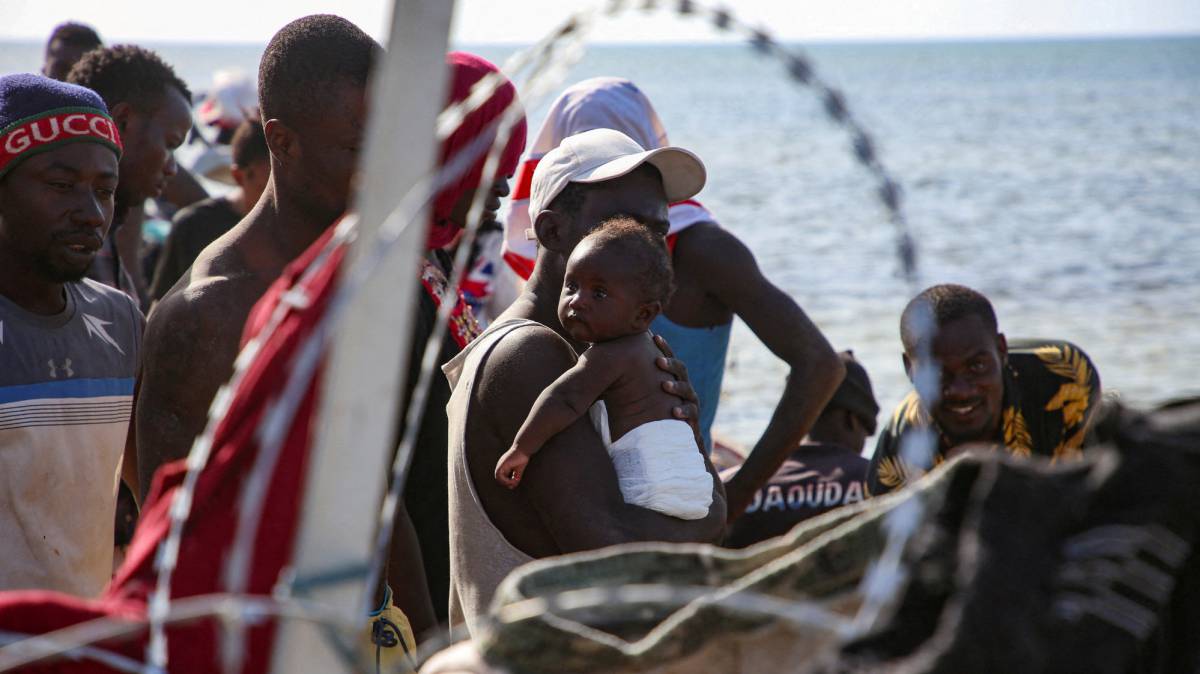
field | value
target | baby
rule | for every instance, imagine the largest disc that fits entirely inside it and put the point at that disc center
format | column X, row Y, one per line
column 617, row 280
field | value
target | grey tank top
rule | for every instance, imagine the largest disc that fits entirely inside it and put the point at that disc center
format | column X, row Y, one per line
column 480, row 555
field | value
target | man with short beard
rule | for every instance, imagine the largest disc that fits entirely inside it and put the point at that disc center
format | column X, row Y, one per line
column 68, row 345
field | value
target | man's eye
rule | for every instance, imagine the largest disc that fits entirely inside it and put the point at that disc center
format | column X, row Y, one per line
column 979, row 367
column 105, row 192
column 61, row 185
column 569, row 287
column 600, row 293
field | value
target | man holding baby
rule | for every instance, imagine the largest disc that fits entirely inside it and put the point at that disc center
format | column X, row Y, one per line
column 569, row 498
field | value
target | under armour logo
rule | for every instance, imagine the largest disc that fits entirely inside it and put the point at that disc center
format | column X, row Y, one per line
column 65, row 368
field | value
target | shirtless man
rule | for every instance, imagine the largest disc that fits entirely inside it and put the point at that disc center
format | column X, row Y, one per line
column 311, row 86
column 572, row 501
column 312, row 82
column 617, row 280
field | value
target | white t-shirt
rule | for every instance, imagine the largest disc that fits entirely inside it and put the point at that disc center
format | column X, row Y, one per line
column 66, row 390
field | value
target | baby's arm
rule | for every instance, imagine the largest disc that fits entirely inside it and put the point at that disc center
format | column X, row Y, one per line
column 558, row 406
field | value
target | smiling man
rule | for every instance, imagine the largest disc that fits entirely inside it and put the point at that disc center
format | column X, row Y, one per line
column 68, row 345
column 1033, row 397
column 152, row 110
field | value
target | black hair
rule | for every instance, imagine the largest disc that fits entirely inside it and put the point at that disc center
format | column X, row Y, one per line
column 75, row 35
column 249, row 143
column 127, row 73
column 308, row 56
column 946, row 303
column 644, row 254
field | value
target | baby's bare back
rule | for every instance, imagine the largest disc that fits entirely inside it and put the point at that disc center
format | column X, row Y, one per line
column 636, row 397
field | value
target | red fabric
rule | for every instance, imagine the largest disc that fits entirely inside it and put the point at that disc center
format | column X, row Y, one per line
column 466, row 70
column 212, row 524
column 51, row 128
column 523, row 266
column 524, row 182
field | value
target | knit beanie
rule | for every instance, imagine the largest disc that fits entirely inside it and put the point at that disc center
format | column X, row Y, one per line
column 39, row 114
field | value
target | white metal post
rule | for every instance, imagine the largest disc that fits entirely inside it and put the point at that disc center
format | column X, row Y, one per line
column 362, row 376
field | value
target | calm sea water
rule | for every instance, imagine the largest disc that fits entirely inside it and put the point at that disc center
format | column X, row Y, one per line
column 1061, row 178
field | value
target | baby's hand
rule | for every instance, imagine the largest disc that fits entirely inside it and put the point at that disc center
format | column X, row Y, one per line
column 511, row 467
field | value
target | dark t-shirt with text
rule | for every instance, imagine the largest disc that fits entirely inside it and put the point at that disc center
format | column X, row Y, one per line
column 814, row 480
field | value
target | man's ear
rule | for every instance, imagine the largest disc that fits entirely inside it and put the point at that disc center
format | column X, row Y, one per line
column 646, row 314
column 281, row 141
column 1002, row 347
column 239, row 175
column 550, row 228
column 122, row 113
column 908, row 366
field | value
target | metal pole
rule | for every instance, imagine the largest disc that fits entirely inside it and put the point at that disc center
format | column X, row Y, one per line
column 362, row 376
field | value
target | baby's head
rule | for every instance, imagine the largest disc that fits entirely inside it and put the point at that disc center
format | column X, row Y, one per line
column 618, row 278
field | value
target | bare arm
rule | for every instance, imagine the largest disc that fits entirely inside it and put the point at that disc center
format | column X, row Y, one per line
column 567, row 399
column 573, row 485
column 190, row 344
column 734, row 278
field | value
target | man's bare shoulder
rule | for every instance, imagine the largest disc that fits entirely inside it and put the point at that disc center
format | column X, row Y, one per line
column 222, row 260
column 710, row 241
column 527, row 355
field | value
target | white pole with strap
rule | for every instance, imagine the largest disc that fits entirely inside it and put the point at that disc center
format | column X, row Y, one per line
column 362, row 376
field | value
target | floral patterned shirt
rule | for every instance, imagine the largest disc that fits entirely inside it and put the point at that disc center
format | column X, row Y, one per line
column 1051, row 389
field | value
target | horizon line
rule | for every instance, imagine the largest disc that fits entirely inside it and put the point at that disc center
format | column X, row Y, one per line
column 721, row 40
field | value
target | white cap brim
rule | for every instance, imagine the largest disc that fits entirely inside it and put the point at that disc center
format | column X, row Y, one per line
column 683, row 173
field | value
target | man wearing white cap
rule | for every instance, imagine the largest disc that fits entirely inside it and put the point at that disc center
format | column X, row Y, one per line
column 570, row 500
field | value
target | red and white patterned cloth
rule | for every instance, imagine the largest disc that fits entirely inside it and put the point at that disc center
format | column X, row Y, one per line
column 597, row 103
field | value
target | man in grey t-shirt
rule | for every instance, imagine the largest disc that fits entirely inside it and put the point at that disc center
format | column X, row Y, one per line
column 68, row 347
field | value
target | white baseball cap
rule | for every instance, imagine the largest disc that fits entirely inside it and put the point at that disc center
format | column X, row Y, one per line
column 603, row 154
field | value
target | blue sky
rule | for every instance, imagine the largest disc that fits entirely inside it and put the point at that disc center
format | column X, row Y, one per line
column 523, row 21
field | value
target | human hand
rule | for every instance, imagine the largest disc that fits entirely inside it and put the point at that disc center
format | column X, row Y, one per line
column 689, row 409
column 511, row 467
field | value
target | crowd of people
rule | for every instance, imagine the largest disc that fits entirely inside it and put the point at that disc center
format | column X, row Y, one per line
column 576, row 409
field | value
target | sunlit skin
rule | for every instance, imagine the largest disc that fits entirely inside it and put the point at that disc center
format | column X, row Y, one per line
column 601, row 304
column 600, row 299
column 971, row 357
column 150, row 136
column 55, row 208
column 193, row 334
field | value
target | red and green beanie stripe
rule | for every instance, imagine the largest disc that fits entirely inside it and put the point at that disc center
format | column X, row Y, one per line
column 38, row 114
